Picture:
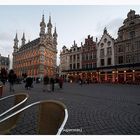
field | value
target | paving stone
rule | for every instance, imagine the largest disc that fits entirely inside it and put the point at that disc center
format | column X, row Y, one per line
column 99, row 109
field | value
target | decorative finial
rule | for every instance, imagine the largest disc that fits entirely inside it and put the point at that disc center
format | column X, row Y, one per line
column 105, row 30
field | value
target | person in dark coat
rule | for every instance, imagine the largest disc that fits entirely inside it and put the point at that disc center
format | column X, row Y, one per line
column 3, row 75
column 29, row 82
column 61, row 82
column 45, row 82
column 12, row 79
column 80, row 81
column 52, row 83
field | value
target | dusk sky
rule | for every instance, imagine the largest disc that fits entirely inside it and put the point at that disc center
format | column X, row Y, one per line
column 72, row 22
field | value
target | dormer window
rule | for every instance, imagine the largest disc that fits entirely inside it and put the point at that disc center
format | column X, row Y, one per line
column 132, row 34
column 108, row 43
column 102, row 44
column 105, row 40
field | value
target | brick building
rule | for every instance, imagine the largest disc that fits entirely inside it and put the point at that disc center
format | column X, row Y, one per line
column 38, row 57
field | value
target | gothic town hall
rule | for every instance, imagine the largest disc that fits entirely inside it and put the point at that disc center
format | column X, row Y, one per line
column 38, row 57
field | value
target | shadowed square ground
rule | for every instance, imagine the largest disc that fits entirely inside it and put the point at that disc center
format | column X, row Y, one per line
column 94, row 109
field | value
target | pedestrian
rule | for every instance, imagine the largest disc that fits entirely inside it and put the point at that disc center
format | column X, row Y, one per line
column 81, row 81
column 3, row 75
column 52, row 83
column 45, row 82
column 61, row 82
column 29, row 83
column 12, row 79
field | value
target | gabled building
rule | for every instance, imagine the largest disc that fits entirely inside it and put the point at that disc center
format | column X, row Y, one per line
column 89, row 53
column 105, row 58
column 70, row 60
column 75, row 57
column 105, row 50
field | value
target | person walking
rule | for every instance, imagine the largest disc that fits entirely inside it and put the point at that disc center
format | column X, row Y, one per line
column 80, row 81
column 45, row 82
column 61, row 82
column 52, row 83
column 12, row 79
column 29, row 82
column 3, row 75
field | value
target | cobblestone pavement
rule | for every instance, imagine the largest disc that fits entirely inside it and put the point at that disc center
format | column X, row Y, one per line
column 94, row 109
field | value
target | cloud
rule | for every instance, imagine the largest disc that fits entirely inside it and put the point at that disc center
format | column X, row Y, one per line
column 115, row 23
column 6, row 44
column 112, row 27
column 5, row 36
column 6, row 48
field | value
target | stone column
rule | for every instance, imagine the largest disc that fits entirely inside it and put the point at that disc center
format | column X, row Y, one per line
column 116, row 76
column 72, row 61
column 113, row 76
column 105, row 76
column 133, row 75
column 75, row 61
column 124, row 76
column 99, row 78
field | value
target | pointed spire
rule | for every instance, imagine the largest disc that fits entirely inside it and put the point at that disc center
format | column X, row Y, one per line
column 96, row 39
column 16, row 43
column 55, row 33
column 49, row 18
column 49, row 25
column 42, row 23
column 55, row 36
column 42, row 27
column 105, row 30
column 43, row 18
column 23, row 39
column 74, row 42
column 16, row 37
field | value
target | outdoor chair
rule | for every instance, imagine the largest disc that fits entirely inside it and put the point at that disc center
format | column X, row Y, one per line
column 9, row 105
column 50, row 118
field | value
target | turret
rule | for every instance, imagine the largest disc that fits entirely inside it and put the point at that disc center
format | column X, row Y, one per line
column 49, row 25
column 55, row 37
column 23, row 40
column 42, row 28
column 16, row 43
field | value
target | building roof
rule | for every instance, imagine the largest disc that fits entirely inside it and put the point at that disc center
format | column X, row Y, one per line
column 30, row 44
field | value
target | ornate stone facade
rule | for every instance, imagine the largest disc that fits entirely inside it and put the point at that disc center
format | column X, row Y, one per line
column 75, row 57
column 70, row 59
column 38, row 57
column 127, row 45
column 64, row 59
